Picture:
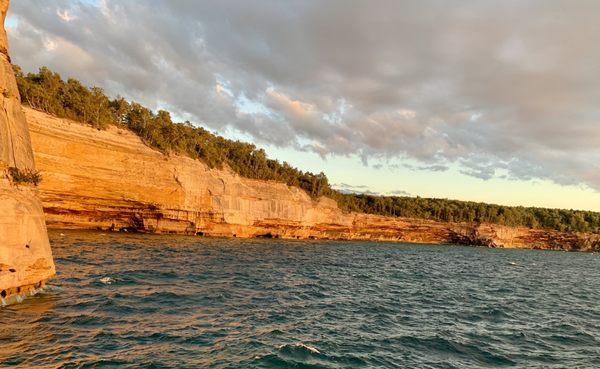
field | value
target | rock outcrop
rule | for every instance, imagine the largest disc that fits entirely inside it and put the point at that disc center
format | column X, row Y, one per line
column 110, row 180
column 25, row 256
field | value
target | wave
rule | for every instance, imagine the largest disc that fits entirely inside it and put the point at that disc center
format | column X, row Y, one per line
column 262, row 307
column 301, row 347
column 106, row 280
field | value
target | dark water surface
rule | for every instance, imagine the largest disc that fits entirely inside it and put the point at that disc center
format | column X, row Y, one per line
column 188, row 302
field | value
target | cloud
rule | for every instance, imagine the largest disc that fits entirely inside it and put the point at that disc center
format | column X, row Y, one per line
column 505, row 88
column 431, row 168
column 357, row 189
column 400, row 193
column 363, row 189
column 65, row 15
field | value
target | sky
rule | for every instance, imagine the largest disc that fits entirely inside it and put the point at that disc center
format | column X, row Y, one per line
column 495, row 101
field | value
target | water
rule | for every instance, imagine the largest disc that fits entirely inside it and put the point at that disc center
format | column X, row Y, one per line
column 187, row 302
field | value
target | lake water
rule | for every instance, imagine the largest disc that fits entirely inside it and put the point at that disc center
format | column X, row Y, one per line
column 136, row 301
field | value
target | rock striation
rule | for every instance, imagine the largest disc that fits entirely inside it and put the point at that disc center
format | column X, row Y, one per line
column 25, row 256
column 111, row 180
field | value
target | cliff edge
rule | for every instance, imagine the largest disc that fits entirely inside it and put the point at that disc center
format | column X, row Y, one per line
column 25, row 256
column 110, row 180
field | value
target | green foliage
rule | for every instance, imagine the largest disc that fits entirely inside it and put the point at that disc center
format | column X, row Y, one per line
column 46, row 91
column 29, row 176
column 466, row 211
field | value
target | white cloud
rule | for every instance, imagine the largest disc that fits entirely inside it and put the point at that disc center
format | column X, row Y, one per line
column 65, row 15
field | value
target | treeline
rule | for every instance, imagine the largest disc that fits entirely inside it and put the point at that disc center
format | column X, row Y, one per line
column 48, row 92
column 467, row 211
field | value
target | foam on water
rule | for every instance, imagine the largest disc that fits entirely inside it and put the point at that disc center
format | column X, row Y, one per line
column 188, row 302
column 18, row 298
column 300, row 346
column 106, row 280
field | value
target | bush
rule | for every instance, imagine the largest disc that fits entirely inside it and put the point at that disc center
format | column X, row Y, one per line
column 28, row 176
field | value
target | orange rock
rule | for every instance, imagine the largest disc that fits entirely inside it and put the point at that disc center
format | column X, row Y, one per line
column 111, row 180
column 25, row 255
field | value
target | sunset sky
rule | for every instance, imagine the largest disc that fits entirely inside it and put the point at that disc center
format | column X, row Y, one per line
column 495, row 101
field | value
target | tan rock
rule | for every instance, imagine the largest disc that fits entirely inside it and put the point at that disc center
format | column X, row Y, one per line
column 25, row 256
column 110, row 179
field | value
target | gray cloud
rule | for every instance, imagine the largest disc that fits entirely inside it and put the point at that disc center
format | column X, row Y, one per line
column 363, row 189
column 431, row 168
column 493, row 86
column 358, row 189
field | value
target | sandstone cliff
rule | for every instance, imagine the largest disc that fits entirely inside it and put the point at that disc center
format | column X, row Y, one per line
column 110, row 180
column 25, row 255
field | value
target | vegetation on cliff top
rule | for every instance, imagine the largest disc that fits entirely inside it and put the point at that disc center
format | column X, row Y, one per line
column 48, row 92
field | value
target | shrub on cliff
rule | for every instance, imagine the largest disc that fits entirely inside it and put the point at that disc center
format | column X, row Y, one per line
column 29, row 176
column 46, row 91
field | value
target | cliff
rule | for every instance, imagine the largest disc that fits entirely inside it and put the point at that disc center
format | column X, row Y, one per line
column 111, row 180
column 25, row 256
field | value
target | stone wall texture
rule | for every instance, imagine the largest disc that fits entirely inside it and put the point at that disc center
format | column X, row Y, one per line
column 111, row 180
column 25, row 255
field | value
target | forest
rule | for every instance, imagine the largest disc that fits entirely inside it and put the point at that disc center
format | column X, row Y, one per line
column 48, row 92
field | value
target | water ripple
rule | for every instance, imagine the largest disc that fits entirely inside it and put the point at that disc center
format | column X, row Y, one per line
column 135, row 301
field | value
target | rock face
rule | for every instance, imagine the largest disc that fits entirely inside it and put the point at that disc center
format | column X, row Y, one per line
column 110, row 180
column 25, row 256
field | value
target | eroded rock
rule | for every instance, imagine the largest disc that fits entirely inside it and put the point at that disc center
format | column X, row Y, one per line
column 25, row 255
column 111, row 180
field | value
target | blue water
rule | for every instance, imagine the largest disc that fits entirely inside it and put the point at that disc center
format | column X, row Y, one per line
column 137, row 301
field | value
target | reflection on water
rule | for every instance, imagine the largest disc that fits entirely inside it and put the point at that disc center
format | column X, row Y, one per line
column 168, row 301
